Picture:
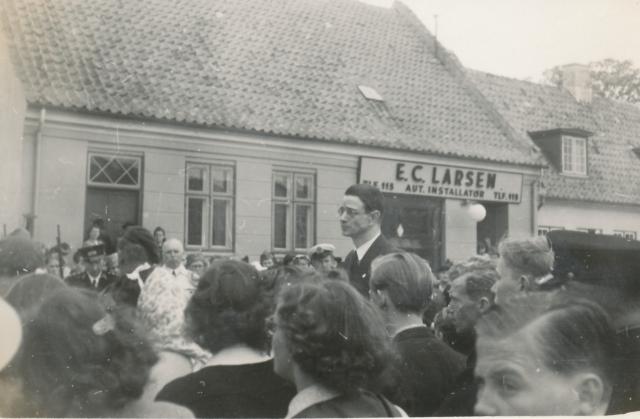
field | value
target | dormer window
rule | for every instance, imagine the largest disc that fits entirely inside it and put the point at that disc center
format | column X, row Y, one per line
column 565, row 148
column 574, row 155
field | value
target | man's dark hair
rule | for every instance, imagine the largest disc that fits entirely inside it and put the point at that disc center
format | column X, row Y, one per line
column 370, row 196
column 572, row 334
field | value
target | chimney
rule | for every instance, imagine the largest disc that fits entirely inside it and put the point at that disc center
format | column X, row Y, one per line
column 576, row 79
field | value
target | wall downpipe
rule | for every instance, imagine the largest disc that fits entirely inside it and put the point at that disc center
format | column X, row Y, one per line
column 36, row 171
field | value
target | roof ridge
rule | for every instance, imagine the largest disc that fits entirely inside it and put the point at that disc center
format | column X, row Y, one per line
column 548, row 86
column 452, row 64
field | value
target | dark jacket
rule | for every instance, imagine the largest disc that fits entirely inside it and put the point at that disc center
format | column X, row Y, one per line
column 82, row 280
column 362, row 404
column 231, row 391
column 359, row 273
column 425, row 371
column 462, row 399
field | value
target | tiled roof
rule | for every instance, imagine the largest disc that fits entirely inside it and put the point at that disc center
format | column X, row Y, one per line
column 613, row 167
column 283, row 67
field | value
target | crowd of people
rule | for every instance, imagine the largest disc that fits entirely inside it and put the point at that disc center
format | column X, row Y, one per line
column 378, row 334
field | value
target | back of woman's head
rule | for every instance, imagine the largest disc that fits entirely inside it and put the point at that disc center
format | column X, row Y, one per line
column 30, row 292
column 334, row 334
column 406, row 277
column 138, row 238
column 229, row 307
column 570, row 335
column 82, row 360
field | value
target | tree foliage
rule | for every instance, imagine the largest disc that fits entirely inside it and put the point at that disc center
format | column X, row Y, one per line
column 610, row 78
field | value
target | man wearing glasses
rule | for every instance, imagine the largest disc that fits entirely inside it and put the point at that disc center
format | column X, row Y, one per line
column 360, row 218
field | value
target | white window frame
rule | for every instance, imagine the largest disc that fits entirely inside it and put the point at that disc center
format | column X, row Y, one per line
column 114, row 183
column 574, row 155
column 208, row 196
column 293, row 203
column 626, row 234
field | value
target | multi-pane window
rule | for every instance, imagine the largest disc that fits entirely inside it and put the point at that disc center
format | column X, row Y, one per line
column 209, row 205
column 114, row 171
column 543, row 230
column 625, row 234
column 574, row 155
column 294, row 205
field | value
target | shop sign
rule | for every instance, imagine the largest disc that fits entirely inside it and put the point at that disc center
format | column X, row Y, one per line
column 405, row 177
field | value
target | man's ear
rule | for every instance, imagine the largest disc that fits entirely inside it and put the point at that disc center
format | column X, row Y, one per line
column 483, row 304
column 525, row 284
column 376, row 215
column 380, row 298
column 593, row 396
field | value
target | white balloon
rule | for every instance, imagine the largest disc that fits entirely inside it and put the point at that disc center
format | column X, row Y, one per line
column 477, row 212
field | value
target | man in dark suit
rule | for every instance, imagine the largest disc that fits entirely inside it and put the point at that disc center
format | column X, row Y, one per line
column 93, row 276
column 360, row 218
column 426, row 368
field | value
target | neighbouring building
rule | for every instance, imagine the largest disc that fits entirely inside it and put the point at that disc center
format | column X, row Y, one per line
column 592, row 145
column 237, row 125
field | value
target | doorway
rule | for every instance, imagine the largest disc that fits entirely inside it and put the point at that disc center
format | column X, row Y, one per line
column 114, row 207
column 493, row 228
column 414, row 224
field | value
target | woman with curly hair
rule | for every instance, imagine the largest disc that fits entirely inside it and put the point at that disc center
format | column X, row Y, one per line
column 332, row 344
column 80, row 360
column 226, row 315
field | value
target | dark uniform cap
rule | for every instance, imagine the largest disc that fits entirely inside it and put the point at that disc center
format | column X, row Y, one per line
column 92, row 251
column 19, row 255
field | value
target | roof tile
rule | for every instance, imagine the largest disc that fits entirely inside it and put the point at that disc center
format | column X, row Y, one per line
column 283, row 67
column 613, row 168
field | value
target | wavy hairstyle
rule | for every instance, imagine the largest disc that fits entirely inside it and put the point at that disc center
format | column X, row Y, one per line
column 334, row 334
column 230, row 306
column 74, row 368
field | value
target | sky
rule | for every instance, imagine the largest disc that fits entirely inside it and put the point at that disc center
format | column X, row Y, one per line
column 522, row 38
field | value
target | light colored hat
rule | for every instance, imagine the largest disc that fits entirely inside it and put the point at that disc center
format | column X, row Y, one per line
column 11, row 333
column 322, row 248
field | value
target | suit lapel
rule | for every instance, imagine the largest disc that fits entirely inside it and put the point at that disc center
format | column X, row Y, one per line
column 351, row 261
column 372, row 252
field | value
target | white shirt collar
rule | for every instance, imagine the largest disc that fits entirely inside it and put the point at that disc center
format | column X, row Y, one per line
column 364, row 247
column 180, row 270
column 135, row 275
column 308, row 397
column 94, row 279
